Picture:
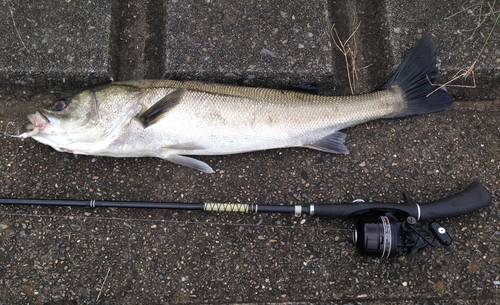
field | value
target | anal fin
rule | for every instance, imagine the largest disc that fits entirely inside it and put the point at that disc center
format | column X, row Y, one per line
column 333, row 143
column 190, row 162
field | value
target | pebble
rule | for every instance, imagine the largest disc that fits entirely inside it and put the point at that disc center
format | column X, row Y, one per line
column 267, row 52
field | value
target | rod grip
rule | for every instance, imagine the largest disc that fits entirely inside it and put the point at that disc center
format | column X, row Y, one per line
column 474, row 197
column 346, row 210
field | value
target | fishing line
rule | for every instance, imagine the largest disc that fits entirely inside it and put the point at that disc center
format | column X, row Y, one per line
column 7, row 129
column 169, row 221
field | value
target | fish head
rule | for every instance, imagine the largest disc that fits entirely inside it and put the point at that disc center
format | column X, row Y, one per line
column 84, row 120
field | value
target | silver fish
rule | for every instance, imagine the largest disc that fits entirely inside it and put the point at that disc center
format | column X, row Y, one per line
column 172, row 119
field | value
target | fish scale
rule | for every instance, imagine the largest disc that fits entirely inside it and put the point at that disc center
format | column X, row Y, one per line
column 174, row 119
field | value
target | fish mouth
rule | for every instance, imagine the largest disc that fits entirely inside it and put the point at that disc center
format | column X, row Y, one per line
column 38, row 121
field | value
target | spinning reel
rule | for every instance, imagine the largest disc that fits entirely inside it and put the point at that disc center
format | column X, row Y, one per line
column 387, row 235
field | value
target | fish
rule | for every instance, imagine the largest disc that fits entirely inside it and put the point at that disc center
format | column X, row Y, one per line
column 174, row 120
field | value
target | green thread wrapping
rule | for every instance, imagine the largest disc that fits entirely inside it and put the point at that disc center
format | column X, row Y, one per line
column 226, row 207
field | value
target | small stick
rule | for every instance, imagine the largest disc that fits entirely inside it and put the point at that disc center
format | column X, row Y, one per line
column 347, row 52
column 102, row 286
column 9, row 3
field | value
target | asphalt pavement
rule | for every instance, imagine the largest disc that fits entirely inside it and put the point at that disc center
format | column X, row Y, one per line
column 71, row 255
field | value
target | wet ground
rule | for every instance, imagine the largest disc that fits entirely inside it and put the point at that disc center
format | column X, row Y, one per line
column 63, row 255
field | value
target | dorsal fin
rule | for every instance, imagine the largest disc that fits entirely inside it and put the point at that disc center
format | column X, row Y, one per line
column 310, row 88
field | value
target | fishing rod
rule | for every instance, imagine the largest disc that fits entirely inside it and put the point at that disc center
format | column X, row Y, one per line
column 383, row 229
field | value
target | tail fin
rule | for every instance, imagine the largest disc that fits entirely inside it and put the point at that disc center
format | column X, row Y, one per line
column 413, row 76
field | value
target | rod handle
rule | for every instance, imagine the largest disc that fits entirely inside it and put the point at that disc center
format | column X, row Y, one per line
column 474, row 197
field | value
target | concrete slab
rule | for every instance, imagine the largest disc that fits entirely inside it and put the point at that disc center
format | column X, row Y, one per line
column 54, row 45
column 463, row 33
column 267, row 43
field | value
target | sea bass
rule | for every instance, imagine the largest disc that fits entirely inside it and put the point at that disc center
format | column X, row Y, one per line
column 173, row 119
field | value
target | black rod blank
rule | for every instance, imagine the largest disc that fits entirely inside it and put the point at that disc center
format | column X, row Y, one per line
column 474, row 197
column 99, row 203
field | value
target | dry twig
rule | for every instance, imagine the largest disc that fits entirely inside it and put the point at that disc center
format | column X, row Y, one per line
column 9, row 4
column 102, row 286
column 349, row 50
column 465, row 73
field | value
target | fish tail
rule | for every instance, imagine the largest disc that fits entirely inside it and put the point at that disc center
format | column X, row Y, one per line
column 413, row 77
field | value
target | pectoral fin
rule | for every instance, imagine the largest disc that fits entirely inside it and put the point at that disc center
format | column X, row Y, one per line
column 333, row 143
column 163, row 105
column 190, row 162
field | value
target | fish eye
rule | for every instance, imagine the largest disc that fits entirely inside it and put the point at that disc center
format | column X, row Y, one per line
column 60, row 104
